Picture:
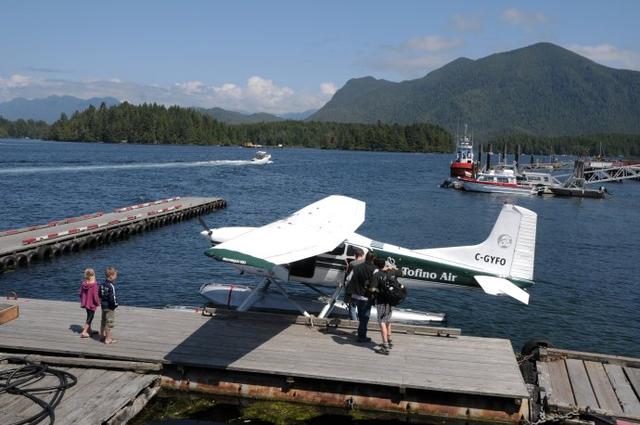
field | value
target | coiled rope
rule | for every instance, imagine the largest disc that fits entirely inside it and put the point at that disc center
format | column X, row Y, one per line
column 20, row 380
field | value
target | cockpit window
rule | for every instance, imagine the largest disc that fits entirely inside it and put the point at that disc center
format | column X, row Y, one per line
column 339, row 250
column 351, row 251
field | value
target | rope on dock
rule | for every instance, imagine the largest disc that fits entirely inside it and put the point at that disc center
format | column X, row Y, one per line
column 19, row 380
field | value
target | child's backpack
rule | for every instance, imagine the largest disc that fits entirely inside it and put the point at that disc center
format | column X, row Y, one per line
column 392, row 292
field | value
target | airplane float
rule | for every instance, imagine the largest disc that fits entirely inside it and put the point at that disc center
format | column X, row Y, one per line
column 314, row 245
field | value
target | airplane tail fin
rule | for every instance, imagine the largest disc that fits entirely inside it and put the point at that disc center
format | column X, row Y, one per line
column 508, row 252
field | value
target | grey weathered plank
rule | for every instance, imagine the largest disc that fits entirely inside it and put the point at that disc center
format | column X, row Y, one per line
column 627, row 397
column 545, row 386
column 602, row 388
column 561, row 394
column 582, row 390
column 633, row 375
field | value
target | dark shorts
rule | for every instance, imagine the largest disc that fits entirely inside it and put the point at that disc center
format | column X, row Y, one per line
column 108, row 319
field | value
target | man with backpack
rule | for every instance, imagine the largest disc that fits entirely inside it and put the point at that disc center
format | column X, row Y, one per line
column 348, row 275
column 388, row 293
column 361, row 297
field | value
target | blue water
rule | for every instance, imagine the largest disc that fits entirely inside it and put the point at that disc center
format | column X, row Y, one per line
column 587, row 257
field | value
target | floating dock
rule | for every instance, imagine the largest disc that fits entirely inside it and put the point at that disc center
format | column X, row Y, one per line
column 586, row 383
column 19, row 247
column 431, row 375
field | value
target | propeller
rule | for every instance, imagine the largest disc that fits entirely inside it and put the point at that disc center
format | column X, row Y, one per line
column 204, row 225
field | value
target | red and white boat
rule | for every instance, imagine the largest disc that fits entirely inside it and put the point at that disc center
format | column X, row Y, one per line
column 463, row 164
column 497, row 181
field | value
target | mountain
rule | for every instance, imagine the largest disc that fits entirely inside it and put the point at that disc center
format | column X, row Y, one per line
column 50, row 108
column 232, row 117
column 298, row 116
column 542, row 89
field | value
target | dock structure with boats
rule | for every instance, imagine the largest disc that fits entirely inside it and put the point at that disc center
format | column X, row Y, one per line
column 19, row 247
column 431, row 374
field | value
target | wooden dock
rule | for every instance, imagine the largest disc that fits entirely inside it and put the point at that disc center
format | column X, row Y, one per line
column 19, row 247
column 271, row 357
column 98, row 397
column 579, row 382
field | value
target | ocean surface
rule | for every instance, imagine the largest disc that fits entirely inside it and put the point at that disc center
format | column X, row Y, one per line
column 587, row 267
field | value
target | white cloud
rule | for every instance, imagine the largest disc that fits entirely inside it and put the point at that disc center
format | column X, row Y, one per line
column 265, row 92
column 191, row 87
column 258, row 95
column 433, row 43
column 526, row 20
column 16, row 80
column 609, row 55
column 466, row 23
column 328, row 88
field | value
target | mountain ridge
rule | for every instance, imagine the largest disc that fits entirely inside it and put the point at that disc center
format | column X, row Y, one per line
column 540, row 89
column 50, row 108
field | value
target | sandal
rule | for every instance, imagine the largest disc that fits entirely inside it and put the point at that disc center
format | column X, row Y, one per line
column 113, row 341
column 84, row 335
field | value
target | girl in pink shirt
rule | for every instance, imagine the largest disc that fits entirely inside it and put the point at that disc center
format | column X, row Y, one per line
column 89, row 299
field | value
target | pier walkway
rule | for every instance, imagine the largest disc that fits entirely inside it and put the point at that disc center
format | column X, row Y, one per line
column 19, row 247
column 271, row 357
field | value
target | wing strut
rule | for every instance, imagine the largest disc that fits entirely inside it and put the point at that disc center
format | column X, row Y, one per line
column 295, row 304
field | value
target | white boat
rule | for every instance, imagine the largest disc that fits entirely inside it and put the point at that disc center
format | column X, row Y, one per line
column 261, row 157
column 231, row 296
column 497, row 181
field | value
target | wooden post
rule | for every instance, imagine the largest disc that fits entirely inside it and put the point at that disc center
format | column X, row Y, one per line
column 489, row 152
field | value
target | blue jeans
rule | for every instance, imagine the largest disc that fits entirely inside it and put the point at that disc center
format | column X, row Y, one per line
column 364, row 312
column 353, row 311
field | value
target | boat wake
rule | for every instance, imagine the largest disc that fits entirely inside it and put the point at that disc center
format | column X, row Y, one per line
column 135, row 166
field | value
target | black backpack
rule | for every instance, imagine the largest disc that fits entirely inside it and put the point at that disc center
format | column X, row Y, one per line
column 392, row 292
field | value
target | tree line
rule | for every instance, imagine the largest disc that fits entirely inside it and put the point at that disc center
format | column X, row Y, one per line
column 23, row 128
column 152, row 123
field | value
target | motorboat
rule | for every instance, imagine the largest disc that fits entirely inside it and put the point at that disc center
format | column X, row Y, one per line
column 232, row 296
column 497, row 181
column 261, row 157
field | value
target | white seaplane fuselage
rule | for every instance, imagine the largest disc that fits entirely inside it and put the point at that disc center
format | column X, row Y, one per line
column 501, row 265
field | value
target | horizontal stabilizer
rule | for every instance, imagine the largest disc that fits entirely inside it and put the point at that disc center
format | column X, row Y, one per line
column 499, row 286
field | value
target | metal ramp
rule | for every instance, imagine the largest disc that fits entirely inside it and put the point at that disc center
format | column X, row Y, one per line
column 601, row 175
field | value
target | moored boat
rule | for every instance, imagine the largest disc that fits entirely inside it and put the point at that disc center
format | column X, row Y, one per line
column 463, row 165
column 497, row 181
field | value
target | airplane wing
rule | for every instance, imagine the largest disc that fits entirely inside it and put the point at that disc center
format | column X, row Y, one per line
column 313, row 230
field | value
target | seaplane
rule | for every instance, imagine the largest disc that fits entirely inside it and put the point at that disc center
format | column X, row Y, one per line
column 313, row 246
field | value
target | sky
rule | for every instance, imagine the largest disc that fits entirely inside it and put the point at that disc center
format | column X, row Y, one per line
column 280, row 56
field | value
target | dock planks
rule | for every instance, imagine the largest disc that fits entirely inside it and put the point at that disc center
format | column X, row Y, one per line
column 462, row 365
column 96, row 397
column 590, row 382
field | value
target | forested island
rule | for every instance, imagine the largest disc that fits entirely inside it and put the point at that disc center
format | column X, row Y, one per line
column 152, row 124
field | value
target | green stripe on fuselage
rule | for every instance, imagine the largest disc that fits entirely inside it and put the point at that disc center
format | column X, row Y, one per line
column 432, row 271
column 238, row 258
